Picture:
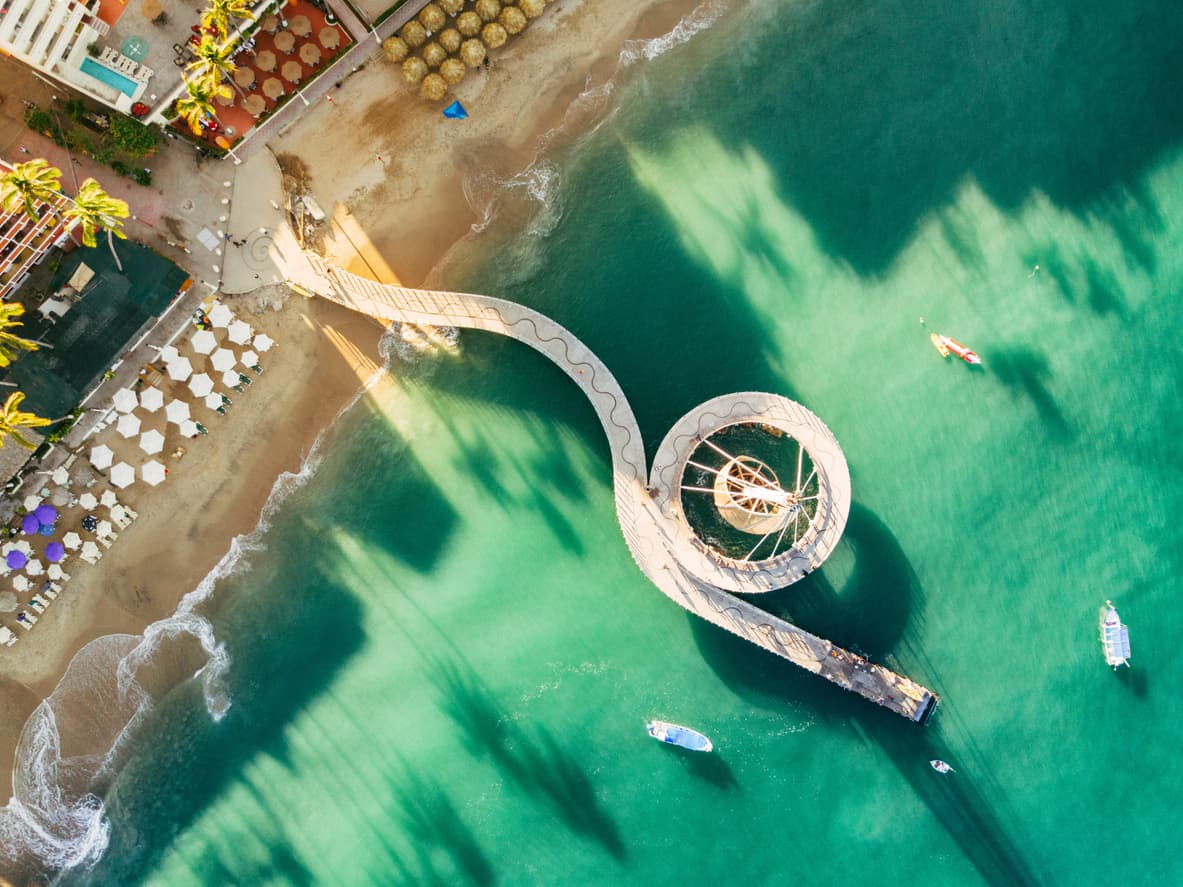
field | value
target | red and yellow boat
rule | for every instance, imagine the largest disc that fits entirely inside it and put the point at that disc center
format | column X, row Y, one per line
column 947, row 345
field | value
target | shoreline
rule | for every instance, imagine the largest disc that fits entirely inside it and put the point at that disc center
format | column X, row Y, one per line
column 404, row 221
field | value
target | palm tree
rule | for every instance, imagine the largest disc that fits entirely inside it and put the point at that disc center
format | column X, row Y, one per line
column 12, row 419
column 13, row 346
column 28, row 183
column 96, row 210
column 219, row 13
column 198, row 102
column 214, row 63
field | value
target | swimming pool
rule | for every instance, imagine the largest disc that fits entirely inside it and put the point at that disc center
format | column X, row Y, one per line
column 125, row 85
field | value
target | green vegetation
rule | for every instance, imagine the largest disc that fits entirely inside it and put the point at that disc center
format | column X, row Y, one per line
column 118, row 141
column 13, row 419
column 132, row 137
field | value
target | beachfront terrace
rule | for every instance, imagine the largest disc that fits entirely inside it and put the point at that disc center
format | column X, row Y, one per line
column 287, row 49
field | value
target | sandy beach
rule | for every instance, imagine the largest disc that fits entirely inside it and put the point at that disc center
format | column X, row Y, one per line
column 399, row 207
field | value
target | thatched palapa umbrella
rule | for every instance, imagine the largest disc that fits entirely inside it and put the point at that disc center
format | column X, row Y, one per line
column 396, row 49
column 414, row 69
column 487, row 9
column 494, row 35
column 413, row 34
column 453, row 71
column 452, row 7
column 472, row 53
column 434, row 87
column 531, row 8
column 432, row 18
column 513, row 20
column 450, row 40
column 469, row 24
column 433, row 54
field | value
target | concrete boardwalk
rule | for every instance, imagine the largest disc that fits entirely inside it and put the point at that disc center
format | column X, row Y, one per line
column 661, row 543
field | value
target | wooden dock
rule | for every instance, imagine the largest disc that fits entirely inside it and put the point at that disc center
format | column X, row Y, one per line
column 648, row 508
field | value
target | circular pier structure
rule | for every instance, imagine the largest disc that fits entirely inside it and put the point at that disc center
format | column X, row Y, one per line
column 758, row 487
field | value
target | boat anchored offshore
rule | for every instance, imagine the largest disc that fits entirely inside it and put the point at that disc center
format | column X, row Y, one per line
column 940, row 766
column 946, row 345
column 1115, row 637
column 675, row 734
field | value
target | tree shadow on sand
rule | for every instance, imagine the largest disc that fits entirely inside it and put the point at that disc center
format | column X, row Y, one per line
column 533, row 760
column 878, row 598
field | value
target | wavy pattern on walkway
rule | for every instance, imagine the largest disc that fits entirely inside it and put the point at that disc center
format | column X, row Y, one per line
column 649, row 511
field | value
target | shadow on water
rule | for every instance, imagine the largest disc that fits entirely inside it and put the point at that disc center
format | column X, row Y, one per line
column 712, row 769
column 288, row 630
column 1026, row 372
column 273, row 676
column 432, row 822
column 878, row 599
column 893, row 106
column 1135, row 680
column 534, row 760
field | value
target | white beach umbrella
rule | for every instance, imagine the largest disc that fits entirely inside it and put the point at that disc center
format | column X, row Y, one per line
column 55, row 572
column 88, row 501
column 180, row 369
column 222, row 360
column 201, row 384
column 152, row 442
column 189, row 428
column 151, row 399
column 104, row 529
column 72, row 541
column 169, row 353
column 108, row 499
column 177, row 411
column 250, row 359
column 7, row 547
column 23, row 546
column 20, row 583
column 31, row 503
column 213, row 400
column 263, row 342
column 152, row 473
column 203, row 342
column 220, row 316
column 239, row 332
column 123, row 475
column 125, row 400
column 101, row 457
column 129, row 425
column 34, row 567
column 230, row 378
column 60, row 476
column 90, row 550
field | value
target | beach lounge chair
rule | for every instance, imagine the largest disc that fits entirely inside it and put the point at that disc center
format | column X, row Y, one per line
column 38, row 603
column 48, row 591
column 108, row 54
column 55, row 589
column 144, row 74
column 25, row 621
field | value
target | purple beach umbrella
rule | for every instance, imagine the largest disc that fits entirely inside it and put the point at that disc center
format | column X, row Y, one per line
column 54, row 551
column 46, row 514
column 30, row 524
column 15, row 559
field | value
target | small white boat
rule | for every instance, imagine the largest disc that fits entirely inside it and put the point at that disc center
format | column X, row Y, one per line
column 940, row 766
column 675, row 734
column 1115, row 637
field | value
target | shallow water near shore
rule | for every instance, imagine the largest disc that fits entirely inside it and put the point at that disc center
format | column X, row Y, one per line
column 441, row 662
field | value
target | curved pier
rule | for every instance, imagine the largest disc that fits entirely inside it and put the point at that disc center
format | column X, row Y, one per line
column 660, row 540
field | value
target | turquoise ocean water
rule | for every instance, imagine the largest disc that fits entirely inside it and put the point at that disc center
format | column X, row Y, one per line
column 441, row 655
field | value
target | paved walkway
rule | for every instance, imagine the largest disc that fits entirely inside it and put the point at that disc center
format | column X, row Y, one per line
column 660, row 540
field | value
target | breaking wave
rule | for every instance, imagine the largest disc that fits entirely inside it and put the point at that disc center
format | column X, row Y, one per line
column 75, row 742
